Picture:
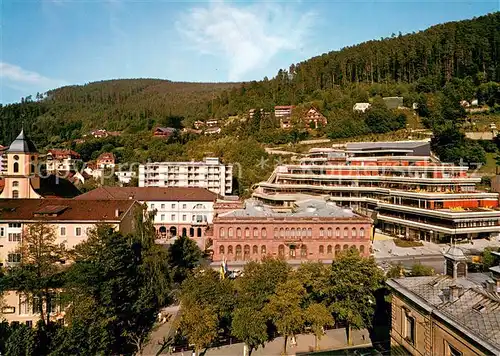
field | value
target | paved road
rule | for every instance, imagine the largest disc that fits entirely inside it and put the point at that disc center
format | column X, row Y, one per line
column 436, row 262
column 163, row 330
column 333, row 339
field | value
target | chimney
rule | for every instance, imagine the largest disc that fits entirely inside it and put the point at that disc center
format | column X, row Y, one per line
column 455, row 291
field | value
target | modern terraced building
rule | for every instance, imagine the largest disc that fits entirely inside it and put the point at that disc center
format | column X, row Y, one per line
column 401, row 184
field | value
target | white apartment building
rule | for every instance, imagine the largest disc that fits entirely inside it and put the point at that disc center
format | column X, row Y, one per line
column 62, row 160
column 210, row 174
column 178, row 211
column 124, row 177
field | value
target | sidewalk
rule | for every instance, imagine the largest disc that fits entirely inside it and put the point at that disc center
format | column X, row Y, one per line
column 333, row 339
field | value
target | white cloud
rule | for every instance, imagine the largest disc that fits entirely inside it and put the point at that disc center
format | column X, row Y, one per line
column 21, row 79
column 247, row 37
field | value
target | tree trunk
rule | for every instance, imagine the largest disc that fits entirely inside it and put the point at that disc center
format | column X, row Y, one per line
column 284, row 345
column 316, row 348
column 348, row 333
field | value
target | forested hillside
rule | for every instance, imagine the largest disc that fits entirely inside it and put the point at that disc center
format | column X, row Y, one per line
column 436, row 69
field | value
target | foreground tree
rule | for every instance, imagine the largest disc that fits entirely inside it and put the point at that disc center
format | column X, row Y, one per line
column 318, row 317
column 184, row 255
column 249, row 326
column 40, row 270
column 200, row 325
column 353, row 283
column 285, row 311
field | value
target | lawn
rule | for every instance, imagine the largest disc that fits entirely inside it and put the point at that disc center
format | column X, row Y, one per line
column 407, row 243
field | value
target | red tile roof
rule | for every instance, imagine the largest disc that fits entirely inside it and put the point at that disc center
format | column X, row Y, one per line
column 151, row 194
column 64, row 209
column 106, row 156
column 59, row 153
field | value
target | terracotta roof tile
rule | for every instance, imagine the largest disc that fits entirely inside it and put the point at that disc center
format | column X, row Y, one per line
column 65, row 209
column 151, row 194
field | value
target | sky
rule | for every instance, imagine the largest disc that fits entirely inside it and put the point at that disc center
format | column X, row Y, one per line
column 45, row 44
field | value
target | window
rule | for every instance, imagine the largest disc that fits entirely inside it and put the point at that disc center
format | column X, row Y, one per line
column 329, row 249
column 15, row 183
column 163, row 206
column 410, row 329
column 78, row 231
column 173, row 206
column 255, row 249
column 282, row 232
column 15, row 194
column 2, row 231
column 247, row 232
column 15, row 225
column 162, row 217
column 362, row 233
column 88, row 231
column 14, row 257
column 184, row 206
column 346, row 233
column 172, row 217
column 63, row 231
column 292, row 232
column 354, row 232
column 230, row 232
column 453, row 351
column 152, row 206
column 16, row 167
column 221, row 249
column 184, row 217
column 303, row 251
column 346, row 247
column 222, row 232
column 263, row 249
column 230, row 250
column 321, row 232
column 337, row 232
column 362, row 249
column 255, row 232
column 276, row 233
column 238, row 233
column 321, row 249
column 263, row 233
column 309, row 232
column 329, row 232
column 15, row 237
column 281, row 250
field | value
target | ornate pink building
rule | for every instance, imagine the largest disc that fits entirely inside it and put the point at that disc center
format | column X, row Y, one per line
column 310, row 230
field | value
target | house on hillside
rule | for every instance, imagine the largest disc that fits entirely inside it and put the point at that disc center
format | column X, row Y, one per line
column 198, row 124
column 62, row 160
column 361, row 107
column 283, row 111
column 314, row 118
column 212, row 131
column 212, row 123
column 164, row 132
column 106, row 160
column 393, row 102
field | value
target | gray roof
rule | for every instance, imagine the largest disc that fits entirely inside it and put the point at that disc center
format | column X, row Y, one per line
column 408, row 145
column 476, row 312
column 455, row 253
column 304, row 208
column 22, row 144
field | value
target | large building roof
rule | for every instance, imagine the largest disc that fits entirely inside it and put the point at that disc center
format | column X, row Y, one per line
column 307, row 208
column 403, row 145
column 151, row 194
column 63, row 209
column 476, row 312
column 22, row 144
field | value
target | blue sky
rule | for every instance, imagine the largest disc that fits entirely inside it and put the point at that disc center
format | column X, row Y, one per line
column 49, row 43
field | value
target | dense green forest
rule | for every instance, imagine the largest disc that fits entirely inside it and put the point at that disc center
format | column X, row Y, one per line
column 435, row 68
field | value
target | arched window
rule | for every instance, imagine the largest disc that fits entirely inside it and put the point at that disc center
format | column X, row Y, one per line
column 337, row 250
column 238, row 233
column 191, row 231
column 304, row 232
column 222, row 232
column 276, row 233
column 15, row 183
column 346, row 247
column 238, row 251
column 255, row 249
column 329, row 232
column 16, row 167
column 255, row 232
column 263, row 233
column 281, row 250
column 329, row 249
column 321, row 232
column 246, row 251
column 247, row 232
column 362, row 249
column 337, row 232
column 303, row 251
column 354, row 233
column 15, row 194
column 309, row 232
column 184, row 231
column 362, row 233
column 198, row 233
column 221, row 249
column 230, row 232
column 230, row 250
column 346, row 233
column 199, row 207
column 282, row 232
column 321, row 249
column 263, row 249
column 287, row 232
column 292, row 232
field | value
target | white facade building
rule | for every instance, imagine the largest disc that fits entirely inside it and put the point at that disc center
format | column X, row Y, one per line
column 124, row 177
column 210, row 174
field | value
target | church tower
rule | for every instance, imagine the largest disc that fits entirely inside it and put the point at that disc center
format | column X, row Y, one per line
column 21, row 177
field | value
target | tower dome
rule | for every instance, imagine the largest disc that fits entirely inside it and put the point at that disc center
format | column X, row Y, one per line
column 22, row 144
